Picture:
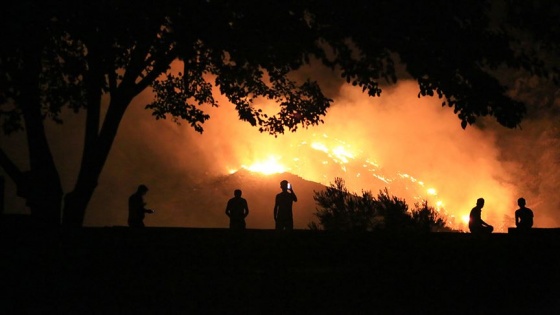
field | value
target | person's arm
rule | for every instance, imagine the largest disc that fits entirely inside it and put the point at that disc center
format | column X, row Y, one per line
column 144, row 209
column 228, row 212
column 517, row 218
column 275, row 211
column 246, row 209
column 294, row 197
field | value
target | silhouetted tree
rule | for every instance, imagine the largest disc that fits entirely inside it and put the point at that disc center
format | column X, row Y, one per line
column 75, row 54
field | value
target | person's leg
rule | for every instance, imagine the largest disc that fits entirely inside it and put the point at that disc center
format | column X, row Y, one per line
column 237, row 224
column 135, row 224
column 282, row 225
column 290, row 225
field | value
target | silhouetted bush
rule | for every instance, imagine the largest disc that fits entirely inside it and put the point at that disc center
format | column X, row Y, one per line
column 428, row 219
column 340, row 210
column 344, row 211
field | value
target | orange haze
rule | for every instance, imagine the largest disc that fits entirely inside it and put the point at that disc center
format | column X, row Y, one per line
column 413, row 146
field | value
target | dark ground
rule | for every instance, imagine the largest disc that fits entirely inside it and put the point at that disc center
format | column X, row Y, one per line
column 207, row 271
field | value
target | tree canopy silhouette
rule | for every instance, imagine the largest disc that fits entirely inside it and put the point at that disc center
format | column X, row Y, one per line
column 74, row 54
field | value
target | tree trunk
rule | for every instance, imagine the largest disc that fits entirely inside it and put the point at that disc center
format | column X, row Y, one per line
column 41, row 186
column 1, row 195
column 75, row 204
column 43, row 195
column 92, row 164
column 97, row 145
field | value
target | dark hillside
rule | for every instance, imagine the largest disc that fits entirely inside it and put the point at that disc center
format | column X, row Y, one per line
column 180, row 270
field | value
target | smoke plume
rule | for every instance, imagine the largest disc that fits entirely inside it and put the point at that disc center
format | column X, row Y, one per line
column 411, row 145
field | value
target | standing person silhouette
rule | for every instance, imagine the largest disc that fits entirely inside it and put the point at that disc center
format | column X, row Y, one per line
column 476, row 224
column 136, row 207
column 523, row 216
column 283, row 216
column 237, row 210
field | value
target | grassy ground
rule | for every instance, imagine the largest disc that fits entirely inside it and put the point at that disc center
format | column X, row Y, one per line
column 209, row 271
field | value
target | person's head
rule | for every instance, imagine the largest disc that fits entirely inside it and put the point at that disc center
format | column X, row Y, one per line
column 480, row 202
column 142, row 189
column 237, row 193
column 284, row 185
column 521, row 202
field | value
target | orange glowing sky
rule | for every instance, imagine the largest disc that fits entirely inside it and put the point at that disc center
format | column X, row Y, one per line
column 411, row 145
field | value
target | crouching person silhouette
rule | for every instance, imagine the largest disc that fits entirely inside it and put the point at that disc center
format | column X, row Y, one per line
column 137, row 207
column 476, row 224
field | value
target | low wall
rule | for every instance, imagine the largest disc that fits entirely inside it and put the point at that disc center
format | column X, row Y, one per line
column 534, row 231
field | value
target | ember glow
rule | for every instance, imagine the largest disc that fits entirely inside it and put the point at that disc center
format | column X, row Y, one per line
column 272, row 165
column 341, row 160
column 409, row 145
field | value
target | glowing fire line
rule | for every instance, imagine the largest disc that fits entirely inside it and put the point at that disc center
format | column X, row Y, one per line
column 340, row 154
column 267, row 167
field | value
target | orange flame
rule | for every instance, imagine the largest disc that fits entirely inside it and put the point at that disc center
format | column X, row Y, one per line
column 269, row 166
column 413, row 147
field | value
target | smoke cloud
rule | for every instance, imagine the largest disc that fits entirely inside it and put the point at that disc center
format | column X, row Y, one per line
column 413, row 146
